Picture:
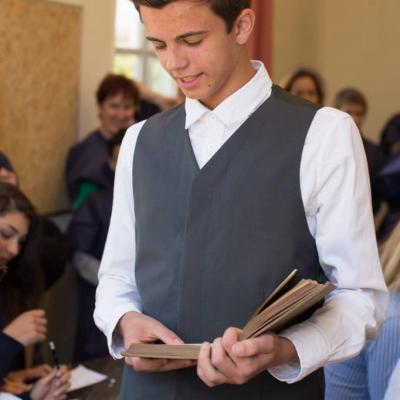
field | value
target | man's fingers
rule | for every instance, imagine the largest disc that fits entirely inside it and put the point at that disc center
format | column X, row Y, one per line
column 145, row 364
column 231, row 336
column 220, row 359
column 178, row 364
column 206, row 371
column 264, row 344
column 166, row 335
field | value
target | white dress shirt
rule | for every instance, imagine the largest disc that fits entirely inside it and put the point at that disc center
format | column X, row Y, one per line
column 336, row 197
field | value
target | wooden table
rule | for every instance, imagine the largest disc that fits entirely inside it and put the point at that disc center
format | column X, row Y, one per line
column 106, row 390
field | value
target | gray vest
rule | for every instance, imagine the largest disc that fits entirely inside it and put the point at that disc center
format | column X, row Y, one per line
column 213, row 243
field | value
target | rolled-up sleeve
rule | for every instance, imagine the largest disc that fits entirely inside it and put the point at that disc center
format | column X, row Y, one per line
column 117, row 291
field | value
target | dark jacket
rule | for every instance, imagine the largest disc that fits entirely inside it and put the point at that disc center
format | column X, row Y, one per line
column 9, row 348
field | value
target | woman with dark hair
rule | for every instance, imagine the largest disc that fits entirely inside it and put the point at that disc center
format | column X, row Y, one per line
column 23, row 283
column 20, row 288
column 305, row 83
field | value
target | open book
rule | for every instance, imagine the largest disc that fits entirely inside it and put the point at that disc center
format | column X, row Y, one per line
column 275, row 313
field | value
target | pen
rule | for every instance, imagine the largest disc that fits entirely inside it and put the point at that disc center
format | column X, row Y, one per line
column 54, row 353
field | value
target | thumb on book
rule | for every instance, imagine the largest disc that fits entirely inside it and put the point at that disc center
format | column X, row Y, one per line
column 255, row 346
column 166, row 335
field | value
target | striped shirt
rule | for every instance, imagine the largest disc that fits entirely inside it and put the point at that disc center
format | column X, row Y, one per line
column 366, row 376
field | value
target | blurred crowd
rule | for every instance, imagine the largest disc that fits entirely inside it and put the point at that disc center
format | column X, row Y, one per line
column 34, row 251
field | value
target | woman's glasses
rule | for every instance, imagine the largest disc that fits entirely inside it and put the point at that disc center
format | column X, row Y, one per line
column 3, row 271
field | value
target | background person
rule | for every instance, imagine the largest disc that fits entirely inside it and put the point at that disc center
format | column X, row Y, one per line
column 87, row 233
column 366, row 376
column 354, row 103
column 87, row 162
column 388, row 177
column 52, row 246
column 21, row 286
column 306, row 83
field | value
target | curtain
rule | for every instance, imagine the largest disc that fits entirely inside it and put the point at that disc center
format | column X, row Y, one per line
column 260, row 45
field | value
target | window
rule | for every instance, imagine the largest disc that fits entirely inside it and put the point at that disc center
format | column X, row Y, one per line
column 134, row 56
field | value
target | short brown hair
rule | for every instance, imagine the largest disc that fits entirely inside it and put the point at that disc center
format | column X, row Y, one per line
column 228, row 10
column 350, row 95
column 113, row 84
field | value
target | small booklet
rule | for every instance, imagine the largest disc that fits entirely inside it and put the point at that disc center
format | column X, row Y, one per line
column 279, row 309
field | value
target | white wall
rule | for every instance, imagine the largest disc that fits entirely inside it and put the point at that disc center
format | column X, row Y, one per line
column 97, row 50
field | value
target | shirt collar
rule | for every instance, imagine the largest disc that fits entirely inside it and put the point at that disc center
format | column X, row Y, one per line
column 238, row 106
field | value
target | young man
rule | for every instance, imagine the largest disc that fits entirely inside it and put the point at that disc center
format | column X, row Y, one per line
column 215, row 202
column 354, row 103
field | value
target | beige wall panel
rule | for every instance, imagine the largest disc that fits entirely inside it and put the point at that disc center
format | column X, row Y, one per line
column 295, row 35
column 97, row 52
column 39, row 69
column 351, row 42
column 360, row 47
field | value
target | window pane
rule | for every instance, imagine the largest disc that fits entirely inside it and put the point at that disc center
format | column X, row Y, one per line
column 158, row 79
column 128, row 28
column 129, row 65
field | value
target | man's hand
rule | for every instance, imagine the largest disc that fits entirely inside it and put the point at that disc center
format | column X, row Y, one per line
column 135, row 327
column 28, row 328
column 234, row 362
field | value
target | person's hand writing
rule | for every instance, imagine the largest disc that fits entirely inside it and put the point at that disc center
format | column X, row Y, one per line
column 135, row 327
column 54, row 386
column 233, row 362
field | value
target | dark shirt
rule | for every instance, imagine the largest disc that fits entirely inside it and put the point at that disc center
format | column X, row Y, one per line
column 89, row 225
column 54, row 251
column 9, row 348
column 87, row 162
column 146, row 110
column 388, row 179
column 5, row 163
column 88, row 233
column 375, row 159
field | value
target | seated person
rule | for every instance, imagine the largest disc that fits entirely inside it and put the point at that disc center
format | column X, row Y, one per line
column 390, row 136
column 86, row 167
column 52, row 244
column 87, row 233
column 388, row 176
column 305, row 83
column 21, row 283
column 7, row 173
column 366, row 376
column 29, row 328
column 354, row 103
